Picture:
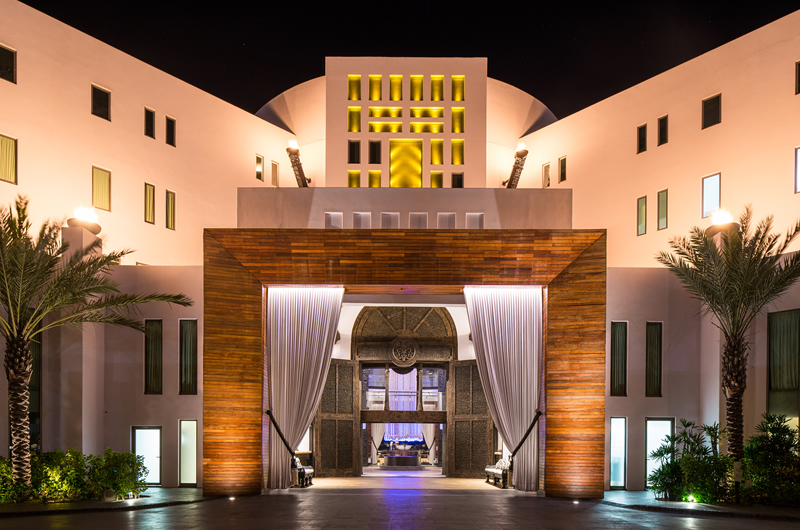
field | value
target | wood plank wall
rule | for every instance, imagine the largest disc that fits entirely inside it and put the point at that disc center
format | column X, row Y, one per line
column 575, row 377
column 232, row 374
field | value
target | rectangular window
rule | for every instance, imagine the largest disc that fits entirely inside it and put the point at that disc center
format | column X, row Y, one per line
column 375, row 152
column 712, row 111
column 171, row 210
column 149, row 203
column 354, row 152
column 149, row 123
column 796, row 170
column 427, row 112
column 353, row 119
column 386, row 112
column 426, row 127
column 188, row 363
column 457, row 152
column 375, row 88
column 171, row 125
column 8, row 159
column 457, row 180
column 619, row 452
column 663, row 130
column 101, row 103
column 101, row 189
column 652, row 387
column 354, row 178
column 188, row 456
column 437, row 179
column 458, row 87
column 396, row 87
column 641, row 139
column 662, row 209
column 437, row 152
column 354, row 87
column 437, row 88
column 416, row 88
column 619, row 358
column 562, row 169
column 275, row 174
column 374, row 179
column 8, row 64
column 385, row 126
column 641, row 216
column 260, row 168
column 784, row 364
column 656, row 430
column 457, row 115
column 152, row 357
column 797, row 78
column 546, row 175
column 711, row 194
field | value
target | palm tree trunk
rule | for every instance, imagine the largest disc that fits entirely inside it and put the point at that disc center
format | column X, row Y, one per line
column 19, row 366
column 734, row 382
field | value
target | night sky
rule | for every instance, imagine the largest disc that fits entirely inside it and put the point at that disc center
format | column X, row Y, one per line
column 567, row 55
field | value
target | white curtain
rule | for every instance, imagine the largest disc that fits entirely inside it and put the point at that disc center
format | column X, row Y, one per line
column 428, row 432
column 301, row 330
column 377, row 438
column 506, row 325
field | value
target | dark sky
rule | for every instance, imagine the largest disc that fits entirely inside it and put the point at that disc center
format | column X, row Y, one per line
column 567, row 55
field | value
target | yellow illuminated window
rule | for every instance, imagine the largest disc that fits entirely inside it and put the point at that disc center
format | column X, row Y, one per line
column 354, row 87
column 437, row 152
column 385, row 126
column 374, row 179
column 437, row 179
column 458, row 87
column 353, row 119
column 457, row 115
column 416, row 88
column 375, row 90
column 427, row 127
column 101, row 189
column 437, row 88
column 396, row 87
column 427, row 112
column 354, row 178
column 386, row 112
column 457, row 152
column 405, row 163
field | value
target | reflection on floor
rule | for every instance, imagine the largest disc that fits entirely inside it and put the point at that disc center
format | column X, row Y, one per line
column 428, row 479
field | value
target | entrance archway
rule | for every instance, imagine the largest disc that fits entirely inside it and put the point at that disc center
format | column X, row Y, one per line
column 239, row 263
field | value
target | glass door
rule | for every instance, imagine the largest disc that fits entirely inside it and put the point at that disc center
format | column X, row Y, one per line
column 188, row 467
column 656, row 429
column 147, row 443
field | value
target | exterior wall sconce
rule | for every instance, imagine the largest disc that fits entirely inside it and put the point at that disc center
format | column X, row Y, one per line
column 85, row 218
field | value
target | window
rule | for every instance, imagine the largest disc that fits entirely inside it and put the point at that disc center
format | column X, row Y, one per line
column 641, row 139
column 437, row 152
column 437, row 88
column 171, row 210
column 188, row 362
column 474, row 221
column 149, row 123
column 457, row 82
column 374, row 179
column 641, row 216
column 354, row 87
column 353, row 152
column 562, row 169
column 619, row 358
column 662, row 209
column 149, row 203
column 275, row 173
column 619, row 452
column 8, row 64
column 652, row 387
column 546, row 175
column 8, row 159
column 437, row 179
column 101, row 189
column 457, row 180
column 152, row 357
column 260, row 168
column 188, row 453
column 710, row 194
column 375, row 88
column 457, row 119
column 663, row 130
column 712, row 111
column 375, row 152
column 354, row 178
column 416, row 88
column 457, row 152
column 784, row 364
column 101, row 103
column 797, row 78
column 796, row 169
column 353, row 119
column 396, row 87
column 171, row 131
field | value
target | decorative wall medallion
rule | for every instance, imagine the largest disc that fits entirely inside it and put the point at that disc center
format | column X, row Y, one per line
column 405, row 351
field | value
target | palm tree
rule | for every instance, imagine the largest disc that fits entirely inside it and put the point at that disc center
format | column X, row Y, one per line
column 42, row 288
column 734, row 279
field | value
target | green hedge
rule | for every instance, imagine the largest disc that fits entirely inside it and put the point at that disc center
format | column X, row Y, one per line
column 73, row 476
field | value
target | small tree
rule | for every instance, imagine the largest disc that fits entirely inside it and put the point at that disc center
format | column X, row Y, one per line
column 37, row 282
column 734, row 280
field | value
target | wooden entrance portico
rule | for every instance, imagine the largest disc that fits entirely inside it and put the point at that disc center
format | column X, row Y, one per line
column 240, row 263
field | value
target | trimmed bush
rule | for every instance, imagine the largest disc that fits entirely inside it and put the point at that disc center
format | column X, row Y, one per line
column 772, row 463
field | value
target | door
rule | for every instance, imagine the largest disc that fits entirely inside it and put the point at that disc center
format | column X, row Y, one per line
column 337, row 429
column 470, row 445
column 147, row 443
column 656, row 429
column 188, row 453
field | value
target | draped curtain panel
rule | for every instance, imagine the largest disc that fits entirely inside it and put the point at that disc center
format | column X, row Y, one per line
column 188, row 361
column 152, row 357
column 653, row 360
column 403, row 396
column 506, row 324
column 301, row 331
column 784, row 348
column 428, row 432
column 377, row 438
column 619, row 358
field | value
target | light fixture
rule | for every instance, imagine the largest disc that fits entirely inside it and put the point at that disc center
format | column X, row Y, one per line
column 516, row 171
column 294, row 157
column 721, row 221
column 85, row 218
column 231, row 498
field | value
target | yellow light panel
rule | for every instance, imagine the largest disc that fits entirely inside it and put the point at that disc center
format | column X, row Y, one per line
column 374, row 179
column 354, row 87
column 427, row 112
column 437, row 152
column 437, row 88
column 385, row 126
column 354, row 178
column 386, row 112
column 405, row 164
column 458, row 87
column 437, row 179
column 457, row 115
column 396, row 87
column 353, row 119
column 426, row 127
column 416, row 88
column 375, row 89
column 457, row 152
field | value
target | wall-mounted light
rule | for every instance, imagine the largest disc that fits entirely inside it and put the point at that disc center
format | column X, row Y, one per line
column 85, row 218
column 294, row 157
column 721, row 221
column 516, row 171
